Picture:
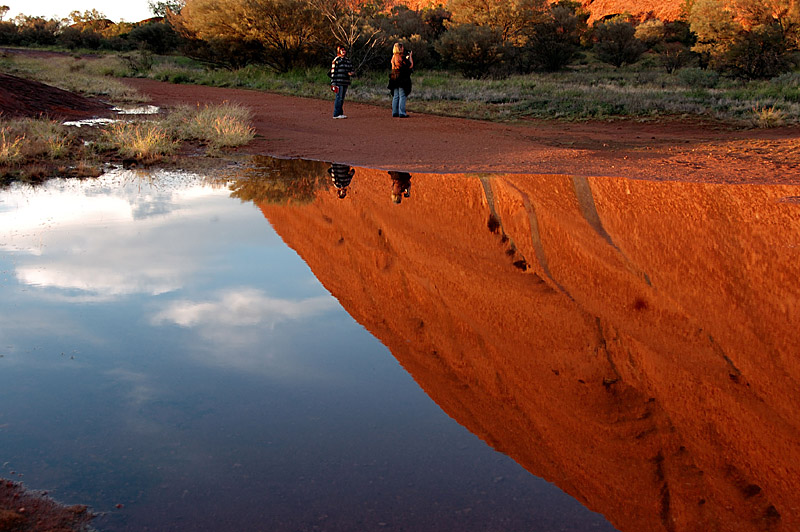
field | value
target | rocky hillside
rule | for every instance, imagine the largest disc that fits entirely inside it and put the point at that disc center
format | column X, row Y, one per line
column 641, row 9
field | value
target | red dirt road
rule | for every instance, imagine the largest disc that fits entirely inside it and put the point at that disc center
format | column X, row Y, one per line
column 672, row 150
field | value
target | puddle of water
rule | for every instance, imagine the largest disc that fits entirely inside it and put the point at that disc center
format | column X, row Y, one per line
column 167, row 352
column 91, row 122
column 138, row 110
column 291, row 347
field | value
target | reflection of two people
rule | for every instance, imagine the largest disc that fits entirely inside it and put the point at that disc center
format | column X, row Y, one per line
column 401, row 185
column 341, row 174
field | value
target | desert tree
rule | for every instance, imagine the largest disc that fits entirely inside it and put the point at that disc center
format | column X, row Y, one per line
column 436, row 18
column 352, row 24
column 671, row 41
column 37, row 30
column 417, row 30
column 278, row 33
column 160, row 8
column 715, row 26
column 616, row 42
column 511, row 19
column 750, row 38
column 155, row 37
column 554, row 41
column 476, row 51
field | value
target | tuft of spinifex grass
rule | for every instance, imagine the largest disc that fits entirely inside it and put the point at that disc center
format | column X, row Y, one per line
column 767, row 117
column 29, row 139
column 218, row 126
column 145, row 141
column 11, row 146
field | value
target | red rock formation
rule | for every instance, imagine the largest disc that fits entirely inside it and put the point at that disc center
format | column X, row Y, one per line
column 641, row 9
column 632, row 342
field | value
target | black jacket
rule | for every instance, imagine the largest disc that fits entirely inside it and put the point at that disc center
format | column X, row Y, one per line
column 401, row 77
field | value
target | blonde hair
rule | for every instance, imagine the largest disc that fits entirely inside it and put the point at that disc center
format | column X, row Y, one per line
column 397, row 55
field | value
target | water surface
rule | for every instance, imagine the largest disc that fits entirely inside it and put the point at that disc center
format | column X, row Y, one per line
column 164, row 350
column 300, row 346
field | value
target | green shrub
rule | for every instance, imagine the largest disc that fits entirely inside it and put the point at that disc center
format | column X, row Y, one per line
column 555, row 41
column 157, row 37
column 758, row 54
column 476, row 51
column 673, row 55
column 617, row 43
column 698, row 77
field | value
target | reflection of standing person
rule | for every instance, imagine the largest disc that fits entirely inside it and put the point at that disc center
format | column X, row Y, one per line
column 341, row 174
column 400, row 79
column 341, row 70
column 401, row 185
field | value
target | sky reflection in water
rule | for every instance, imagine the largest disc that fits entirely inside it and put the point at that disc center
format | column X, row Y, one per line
column 163, row 349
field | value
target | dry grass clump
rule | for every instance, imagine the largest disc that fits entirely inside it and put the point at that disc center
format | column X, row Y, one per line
column 144, row 141
column 28, row 139
column 767, row 117
column 33, row 150
column 218, row 126
column 10, row 147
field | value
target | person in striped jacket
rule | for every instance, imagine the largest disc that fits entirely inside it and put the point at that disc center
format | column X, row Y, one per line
column 341, row 70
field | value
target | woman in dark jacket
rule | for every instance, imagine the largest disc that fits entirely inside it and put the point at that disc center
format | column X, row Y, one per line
column 400, row 80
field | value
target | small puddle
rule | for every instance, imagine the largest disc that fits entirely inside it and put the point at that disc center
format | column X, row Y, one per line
column 92, row 122
column 138, row 110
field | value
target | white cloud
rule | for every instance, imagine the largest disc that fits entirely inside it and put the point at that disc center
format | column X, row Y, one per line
column 115, row 236
column 243, row 307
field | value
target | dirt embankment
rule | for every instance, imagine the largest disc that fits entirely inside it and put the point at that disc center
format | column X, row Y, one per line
column 25, row 98
column 24, row 511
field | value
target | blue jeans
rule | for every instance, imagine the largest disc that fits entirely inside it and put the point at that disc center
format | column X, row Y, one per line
column 398, row 102
column 339, row 101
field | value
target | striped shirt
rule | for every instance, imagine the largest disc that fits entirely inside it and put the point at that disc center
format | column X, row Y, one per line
column 340, row 71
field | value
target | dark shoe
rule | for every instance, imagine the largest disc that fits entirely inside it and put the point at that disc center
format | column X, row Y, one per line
column 402, row 116
column 395, row 115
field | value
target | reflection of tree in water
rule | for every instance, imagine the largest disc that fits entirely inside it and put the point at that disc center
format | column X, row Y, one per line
column 279, row 181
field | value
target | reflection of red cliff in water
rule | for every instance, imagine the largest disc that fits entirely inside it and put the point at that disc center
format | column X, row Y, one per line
column 632, row 342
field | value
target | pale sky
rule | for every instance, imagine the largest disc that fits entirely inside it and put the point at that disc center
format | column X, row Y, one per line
column 115, row 10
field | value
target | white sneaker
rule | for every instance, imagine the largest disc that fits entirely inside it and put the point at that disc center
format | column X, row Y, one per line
column 340, row 116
